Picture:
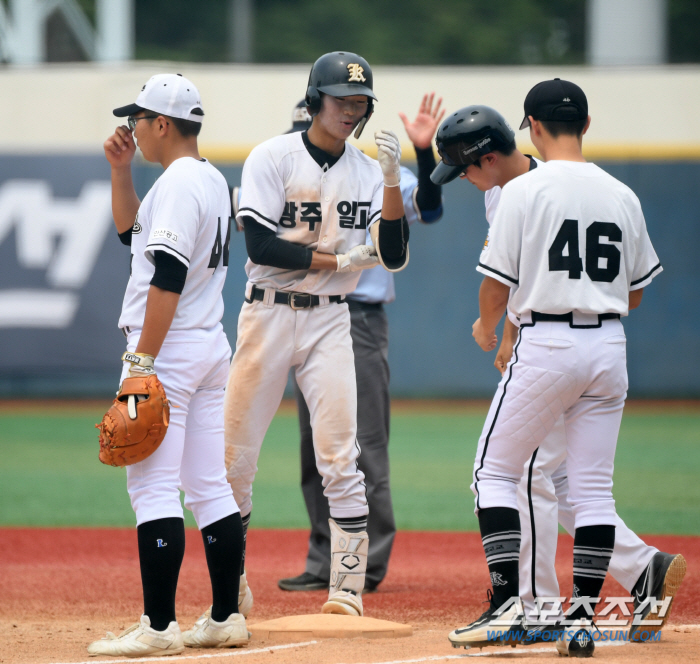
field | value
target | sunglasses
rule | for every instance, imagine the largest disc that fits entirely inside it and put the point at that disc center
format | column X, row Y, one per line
column 131, row 120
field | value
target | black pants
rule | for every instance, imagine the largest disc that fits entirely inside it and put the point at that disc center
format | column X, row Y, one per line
column 370, row 341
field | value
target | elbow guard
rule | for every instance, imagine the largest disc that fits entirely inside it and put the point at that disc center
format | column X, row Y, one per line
column 393, row 236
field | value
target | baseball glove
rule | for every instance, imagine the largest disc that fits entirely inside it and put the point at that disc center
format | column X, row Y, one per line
column 136, row 423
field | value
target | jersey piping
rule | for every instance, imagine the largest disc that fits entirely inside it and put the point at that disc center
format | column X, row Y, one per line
column 500, row 274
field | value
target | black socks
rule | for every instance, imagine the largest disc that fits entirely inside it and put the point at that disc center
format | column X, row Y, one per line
column 593, row 547
column 223, row 546
column 245, row 520
column 352, row 524
column 500, row 535
column 161, row 549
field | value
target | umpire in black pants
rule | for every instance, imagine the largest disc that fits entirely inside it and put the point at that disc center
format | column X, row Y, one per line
column 369, row 330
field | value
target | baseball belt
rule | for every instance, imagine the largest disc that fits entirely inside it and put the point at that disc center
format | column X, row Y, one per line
column 294, row 300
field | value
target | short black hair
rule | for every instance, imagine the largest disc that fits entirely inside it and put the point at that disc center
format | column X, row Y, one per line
column 506, row 151
column 556, row 128
column 187, row 127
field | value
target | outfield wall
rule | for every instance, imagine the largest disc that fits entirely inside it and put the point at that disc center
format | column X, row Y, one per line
column 63, row 270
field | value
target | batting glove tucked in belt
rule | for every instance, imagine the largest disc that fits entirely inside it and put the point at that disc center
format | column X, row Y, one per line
column 360, row 257
column 389, row 156
column 141, row 364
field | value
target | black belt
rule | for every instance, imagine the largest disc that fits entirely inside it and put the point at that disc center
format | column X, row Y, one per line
column 294, row 300
column 356, row 305
column 537, row 317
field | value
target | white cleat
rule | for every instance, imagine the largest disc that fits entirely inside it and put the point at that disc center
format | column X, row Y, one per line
column 207, row 633
column 245, row 597
column 343, row 602
column 140, row 640
column 576, row 640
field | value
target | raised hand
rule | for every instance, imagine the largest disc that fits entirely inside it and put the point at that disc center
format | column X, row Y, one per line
column 120, row 148
column 423, row 128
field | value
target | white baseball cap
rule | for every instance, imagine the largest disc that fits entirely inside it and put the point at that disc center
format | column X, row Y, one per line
column 169, row 94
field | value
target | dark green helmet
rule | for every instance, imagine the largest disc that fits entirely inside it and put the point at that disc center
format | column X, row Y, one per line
column 467, row 135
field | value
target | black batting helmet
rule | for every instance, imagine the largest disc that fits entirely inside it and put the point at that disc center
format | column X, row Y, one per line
column 465, row 136
column 340, row 74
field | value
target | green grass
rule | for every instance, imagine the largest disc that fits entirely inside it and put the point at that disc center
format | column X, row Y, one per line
column 50, row 475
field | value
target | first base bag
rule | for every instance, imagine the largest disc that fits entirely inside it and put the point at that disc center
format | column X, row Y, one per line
column 136, row 423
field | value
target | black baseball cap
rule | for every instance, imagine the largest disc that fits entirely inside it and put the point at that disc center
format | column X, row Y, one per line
column 562, row 101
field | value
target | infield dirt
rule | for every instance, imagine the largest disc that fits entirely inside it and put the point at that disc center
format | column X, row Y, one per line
column 62, row 588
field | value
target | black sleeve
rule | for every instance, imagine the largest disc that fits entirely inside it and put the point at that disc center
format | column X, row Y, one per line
column 170, row 274
column 265, row 248
column 393, row 240
column 429, row 195
column 125, row 237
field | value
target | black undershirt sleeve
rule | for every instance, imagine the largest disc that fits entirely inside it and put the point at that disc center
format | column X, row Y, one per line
column 125, row 237
column 429, row 194
column 265, row 248
column 170, row 274
column 393, row 240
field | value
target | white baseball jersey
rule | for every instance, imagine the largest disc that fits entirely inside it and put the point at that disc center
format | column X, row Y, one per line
column 566, row 237
column 186, row 214
column 328, row 211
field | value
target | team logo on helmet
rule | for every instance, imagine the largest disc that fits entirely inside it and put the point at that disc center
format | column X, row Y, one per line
column 356, row 73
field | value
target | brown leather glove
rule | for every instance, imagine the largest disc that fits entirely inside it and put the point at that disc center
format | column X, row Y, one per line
column 136, row 423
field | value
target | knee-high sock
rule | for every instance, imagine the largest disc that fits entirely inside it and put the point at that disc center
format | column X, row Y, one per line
column 161, row 549
column 223, row 545
column 593, row 547
column 245, row 520
column 500, row 535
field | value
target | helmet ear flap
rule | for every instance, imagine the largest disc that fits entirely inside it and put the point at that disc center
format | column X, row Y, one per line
column 313, row 100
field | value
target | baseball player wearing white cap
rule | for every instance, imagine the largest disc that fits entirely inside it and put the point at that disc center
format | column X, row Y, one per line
column 307, row 201
column 369, row 328
column 171, row 316
column 642, row 570
column 571, row 280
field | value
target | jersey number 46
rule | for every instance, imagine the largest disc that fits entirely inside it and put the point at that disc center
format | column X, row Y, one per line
column 572, row 263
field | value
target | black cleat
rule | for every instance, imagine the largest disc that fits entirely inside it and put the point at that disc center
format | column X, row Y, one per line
column 576, row 640
column 661, row 579
column 302, row 582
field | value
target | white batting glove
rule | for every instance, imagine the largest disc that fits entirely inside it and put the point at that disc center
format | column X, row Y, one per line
column 389, row 156
column 141, row 364
column 361, row 257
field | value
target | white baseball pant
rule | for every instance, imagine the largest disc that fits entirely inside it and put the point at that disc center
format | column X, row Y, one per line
column 542, row 502
column 557, row 370
column 193, row 367
column 272, row 338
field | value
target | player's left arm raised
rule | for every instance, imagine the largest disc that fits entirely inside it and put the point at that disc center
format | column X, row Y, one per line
column 390, row 234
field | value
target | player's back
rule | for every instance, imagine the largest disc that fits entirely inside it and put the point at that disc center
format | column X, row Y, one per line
column 186, row 214
column 584, row 240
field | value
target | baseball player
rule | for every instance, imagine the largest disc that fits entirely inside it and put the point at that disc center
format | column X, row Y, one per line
column 307, row 201
column 171, row 316
column 642, row 570
column 422, row 200
column 585, row 262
